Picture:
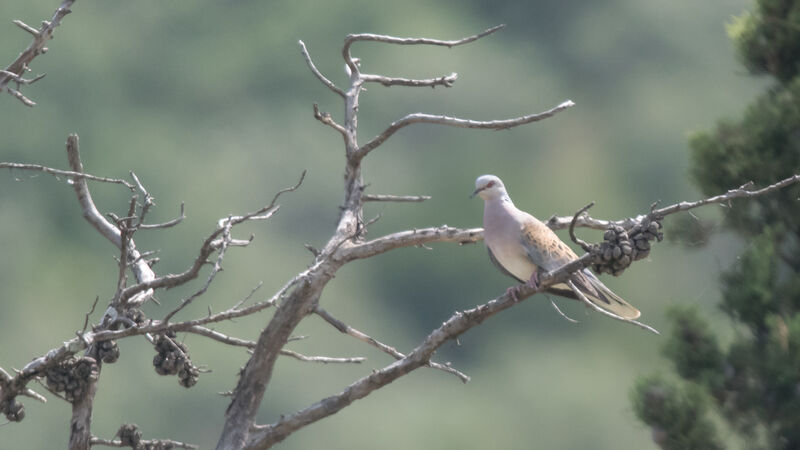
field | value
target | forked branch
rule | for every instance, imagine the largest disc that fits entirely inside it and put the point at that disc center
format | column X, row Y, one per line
column 16, row 70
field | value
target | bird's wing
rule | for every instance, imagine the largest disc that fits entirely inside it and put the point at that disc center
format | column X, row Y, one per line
column 543, row 246
column 560, row 289
column 599, row 294
column 548, row 252
column 500, row 266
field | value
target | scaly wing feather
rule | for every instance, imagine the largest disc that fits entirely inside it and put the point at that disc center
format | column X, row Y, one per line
column 547, row 251
column 561, row 289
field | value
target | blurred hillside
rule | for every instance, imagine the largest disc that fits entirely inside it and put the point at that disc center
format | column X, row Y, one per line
column 210, row 104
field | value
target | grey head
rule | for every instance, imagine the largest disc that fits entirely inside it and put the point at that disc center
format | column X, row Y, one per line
column 489, row 187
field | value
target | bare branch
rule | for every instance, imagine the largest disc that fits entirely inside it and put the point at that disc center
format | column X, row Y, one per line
column 350, row 331
column 18, row 79
column 141, row 269
column 394, row 198
column 210, row 245
column 351, row 38
column 75, row 345
column 741, row 192
column 25, row 27
column 446, row 80
column 168, row 224
column 217, row 266
column 229, row 340
column 586, row 247
column 316, row 71
column 322, row 359
column 20, row 96
column 328, row 120
column 7, row 389
column 456, row 122
column 460, row 322
column 89, row 313
column 561, row 222
column 81, row 421
column 65, row 173
column 145, row 443
column 220, row 337
column 19, row 66
column 561, row 313
column 410, row 238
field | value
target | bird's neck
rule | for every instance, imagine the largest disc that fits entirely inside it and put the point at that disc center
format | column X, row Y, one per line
column 497, row 207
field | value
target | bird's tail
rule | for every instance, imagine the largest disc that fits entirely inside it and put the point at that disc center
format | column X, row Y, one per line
column 602, row 296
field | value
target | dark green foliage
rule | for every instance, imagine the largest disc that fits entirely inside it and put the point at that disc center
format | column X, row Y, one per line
column 748, row 288
column 694, row 350
column 763, row 147
column 754, row 384
column 677, row 416
column 768, row 40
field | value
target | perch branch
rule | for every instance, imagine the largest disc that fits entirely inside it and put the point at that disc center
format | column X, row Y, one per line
column 460, row 322
column 561, row 222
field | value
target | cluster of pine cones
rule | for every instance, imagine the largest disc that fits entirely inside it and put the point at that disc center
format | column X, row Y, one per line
column 621, row 247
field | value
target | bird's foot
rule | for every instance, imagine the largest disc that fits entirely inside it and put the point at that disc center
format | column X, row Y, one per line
column 533, row 282
column 512, row 291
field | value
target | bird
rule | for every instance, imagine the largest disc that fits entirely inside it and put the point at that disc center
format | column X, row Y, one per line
column 521, row 246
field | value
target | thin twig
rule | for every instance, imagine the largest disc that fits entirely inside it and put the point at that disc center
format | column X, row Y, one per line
column 394, row 198
column 322, row 359
column 168, row 224
column 91, row 311
column 363, row 337
column 71, row 176
column 569, row 319
column 328, row 120
column 457, row 122
column 584, row 245
column 316, row 71
column 210, row 245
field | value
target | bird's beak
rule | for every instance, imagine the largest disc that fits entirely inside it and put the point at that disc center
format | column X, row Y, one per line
column 476, row 192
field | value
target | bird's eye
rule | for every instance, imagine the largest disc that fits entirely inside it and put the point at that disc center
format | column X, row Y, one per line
column 490, row 184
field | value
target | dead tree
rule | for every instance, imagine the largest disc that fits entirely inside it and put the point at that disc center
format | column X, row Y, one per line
column 71, row 370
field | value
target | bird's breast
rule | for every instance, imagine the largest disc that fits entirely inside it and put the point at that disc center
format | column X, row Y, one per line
column 504, row 242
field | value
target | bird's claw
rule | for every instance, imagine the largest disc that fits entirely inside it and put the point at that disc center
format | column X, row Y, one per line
column 512, row 291
column 533, row 282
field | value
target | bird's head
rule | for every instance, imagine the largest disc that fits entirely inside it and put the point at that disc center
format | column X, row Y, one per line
column 489, row 186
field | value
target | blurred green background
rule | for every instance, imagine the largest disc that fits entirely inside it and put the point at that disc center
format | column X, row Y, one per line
column 210, row 104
